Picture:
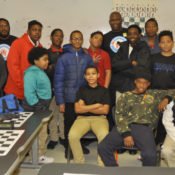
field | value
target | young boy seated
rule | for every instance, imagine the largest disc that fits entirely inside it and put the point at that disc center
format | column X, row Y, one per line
column 91, row 105
column 101, row 58
column 37, row 93
column 136, row 117
column 168, row 150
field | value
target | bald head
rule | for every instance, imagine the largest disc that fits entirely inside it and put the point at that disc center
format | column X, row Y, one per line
column 115, row 21
column 115, row 13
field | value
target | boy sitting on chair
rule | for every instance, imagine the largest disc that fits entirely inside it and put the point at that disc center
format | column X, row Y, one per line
column 136, row 117
column 92, row 104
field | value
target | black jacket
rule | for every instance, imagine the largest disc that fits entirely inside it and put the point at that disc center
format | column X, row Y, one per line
column 3, row 75
column 123, row 72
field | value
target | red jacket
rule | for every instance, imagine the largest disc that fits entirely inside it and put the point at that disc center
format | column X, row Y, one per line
column 17, row 63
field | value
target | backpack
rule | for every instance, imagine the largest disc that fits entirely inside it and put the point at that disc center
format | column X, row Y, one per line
column 10, row 104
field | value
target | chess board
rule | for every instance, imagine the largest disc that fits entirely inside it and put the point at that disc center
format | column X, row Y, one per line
column 140, row 21
column 20, row 119
column 8, row 138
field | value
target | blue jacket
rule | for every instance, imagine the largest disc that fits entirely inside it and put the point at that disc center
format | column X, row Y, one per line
column 36, row 85
column 69, row 74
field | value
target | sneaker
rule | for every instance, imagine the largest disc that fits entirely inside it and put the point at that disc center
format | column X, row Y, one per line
column 85, row 150
column 44, row 159
column 62, row 141
column 51, row 145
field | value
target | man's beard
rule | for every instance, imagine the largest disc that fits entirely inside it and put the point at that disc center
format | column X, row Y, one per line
column 4, row 35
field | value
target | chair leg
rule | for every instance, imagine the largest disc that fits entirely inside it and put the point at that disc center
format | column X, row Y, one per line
column 158, row 155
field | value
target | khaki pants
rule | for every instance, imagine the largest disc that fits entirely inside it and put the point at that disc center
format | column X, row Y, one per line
column 168, row 151
column 57, row 117
column 98, row 124
column 42, row 137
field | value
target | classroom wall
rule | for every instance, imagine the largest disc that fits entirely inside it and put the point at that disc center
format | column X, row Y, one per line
column 85, row 15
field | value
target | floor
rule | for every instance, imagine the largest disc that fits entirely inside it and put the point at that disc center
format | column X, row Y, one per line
column 125, row 159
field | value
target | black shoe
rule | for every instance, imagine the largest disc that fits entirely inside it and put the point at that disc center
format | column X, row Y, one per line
column 66, row 154
column 121, row 151
column 85, row 150
column 51, row 145
column 133, row 152
column 62, row 141
column 87, row 142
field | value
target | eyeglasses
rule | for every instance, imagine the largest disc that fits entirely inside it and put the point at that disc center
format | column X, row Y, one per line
column 4, row 25
column 76, row 39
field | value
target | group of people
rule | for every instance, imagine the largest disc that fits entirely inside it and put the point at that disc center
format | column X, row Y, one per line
column 121, row 70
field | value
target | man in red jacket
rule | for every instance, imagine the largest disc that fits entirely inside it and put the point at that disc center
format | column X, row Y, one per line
column 17, row 60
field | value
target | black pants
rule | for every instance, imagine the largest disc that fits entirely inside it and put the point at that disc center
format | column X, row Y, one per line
column 112, row 92
column 69, row 118
column 143, row 138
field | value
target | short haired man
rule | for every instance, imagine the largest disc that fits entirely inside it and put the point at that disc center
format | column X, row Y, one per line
column 5, row 38
column 17, row 60
column 117, row 34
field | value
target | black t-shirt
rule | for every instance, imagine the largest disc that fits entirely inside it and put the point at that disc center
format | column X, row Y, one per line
column 163, row 71
column 110, row 40
column 91, row 96
column 5, row 46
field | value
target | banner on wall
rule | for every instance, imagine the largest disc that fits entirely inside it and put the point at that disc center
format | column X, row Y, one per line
column 136, row 11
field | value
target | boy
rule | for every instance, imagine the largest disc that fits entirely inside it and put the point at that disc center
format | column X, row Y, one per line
column 136, row 117
column 163, row 72
column 69, row 78
column 168, row 150
column 37, row 92
column 54, row 53
column 91, row 105
column 101, row 58
column 151, row 38
column 17, row 60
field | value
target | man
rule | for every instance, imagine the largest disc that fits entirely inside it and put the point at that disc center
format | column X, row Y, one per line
column 17, row 61
column 136, row 117
column 111, row 45
column 117, row 34
column 5, row 38
column 101, row 58
column 151, row 38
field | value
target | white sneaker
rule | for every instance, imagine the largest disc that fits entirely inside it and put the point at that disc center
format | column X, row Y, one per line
column 44, row 159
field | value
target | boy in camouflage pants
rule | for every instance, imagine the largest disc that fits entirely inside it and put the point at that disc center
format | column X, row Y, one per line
column 136, row 117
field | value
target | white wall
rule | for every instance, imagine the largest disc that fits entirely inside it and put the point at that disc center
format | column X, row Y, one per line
column 85, row 15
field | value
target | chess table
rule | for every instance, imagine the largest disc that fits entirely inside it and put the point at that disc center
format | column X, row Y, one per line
column 27, row 138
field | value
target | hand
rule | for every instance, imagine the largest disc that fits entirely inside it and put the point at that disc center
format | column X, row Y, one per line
column 134, row 63
column 96, row 58
column 129, row 142
column 162, row 105
column 62, row 108
column 99, row 105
